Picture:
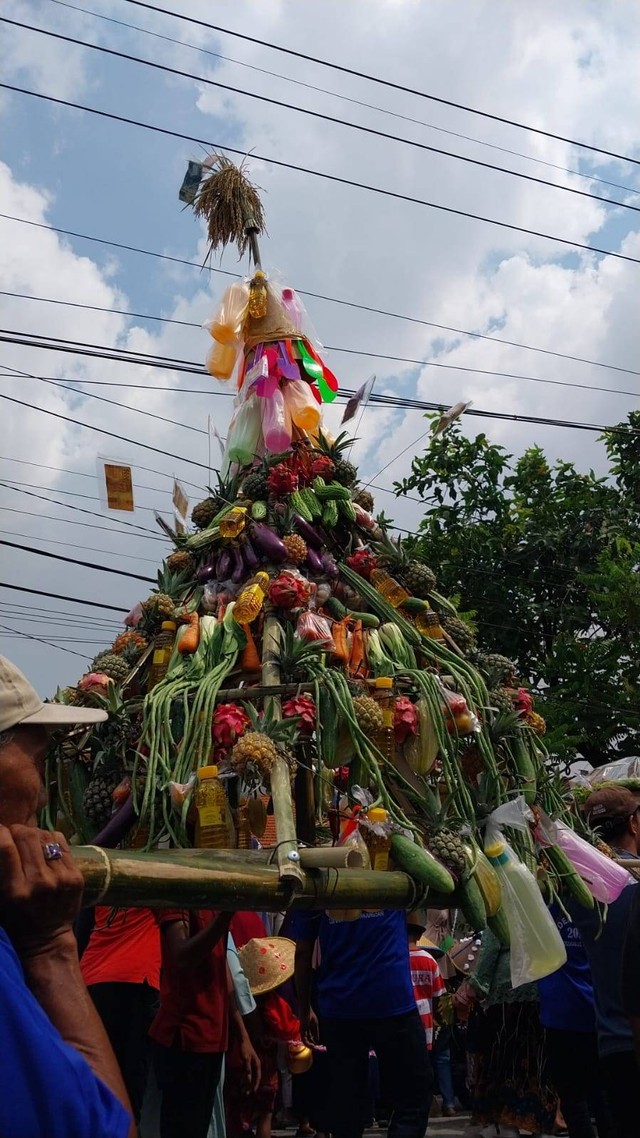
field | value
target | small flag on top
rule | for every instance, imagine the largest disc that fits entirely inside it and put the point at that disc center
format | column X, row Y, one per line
column 361, row 398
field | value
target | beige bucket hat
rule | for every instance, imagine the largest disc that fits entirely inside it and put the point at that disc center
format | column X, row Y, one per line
column 20, row 704
column 267, row 962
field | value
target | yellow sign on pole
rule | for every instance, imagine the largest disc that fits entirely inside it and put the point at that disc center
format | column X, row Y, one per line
column 119, row 486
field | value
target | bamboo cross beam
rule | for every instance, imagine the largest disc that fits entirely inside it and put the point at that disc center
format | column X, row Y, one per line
column 227, row 880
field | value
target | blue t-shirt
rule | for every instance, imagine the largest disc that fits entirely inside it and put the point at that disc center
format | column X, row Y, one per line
column 603, row 941
column 47, row 1090
column 364, row 965
column 566, row 996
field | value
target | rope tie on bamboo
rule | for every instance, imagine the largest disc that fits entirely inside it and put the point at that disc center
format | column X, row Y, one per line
column 107, row 875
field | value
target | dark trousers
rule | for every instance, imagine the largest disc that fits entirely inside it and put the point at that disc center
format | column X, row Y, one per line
column 621, row 1081
column 126, row 1011
column 187, row 1081
column 574, row 1070
column 405, row 1073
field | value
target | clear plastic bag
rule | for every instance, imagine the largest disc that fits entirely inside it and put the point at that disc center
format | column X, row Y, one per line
column 276, row 423
column 222, row 359
column 536, row 949
column 313, row 628
column 303, row 408
column 229, row 317
column 622, row 768
column 605, row 878
column 244, row 432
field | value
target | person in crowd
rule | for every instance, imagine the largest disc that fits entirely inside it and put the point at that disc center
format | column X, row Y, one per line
column 428, row 989
column 615, row 813
column 510, row 1085
column 121, row 968
column 246, row 1006
column 568, row 1015
column 365, row 1000
column 267, row 963
column 191, row 1030
column 631, row 973
column 58, row 1075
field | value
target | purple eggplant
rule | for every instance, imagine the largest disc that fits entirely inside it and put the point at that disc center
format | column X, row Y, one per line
column 268, row 542
column 207, row 572
column 314, row 563
column 223, row 568
column 307, row 531
column 329, row 565
column 250, row 556
column 237, row 565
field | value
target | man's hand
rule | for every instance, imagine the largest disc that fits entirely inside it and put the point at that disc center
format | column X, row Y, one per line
column 309, row 1028
column 464, row 1000
column 39, row 899
column 252, row 1069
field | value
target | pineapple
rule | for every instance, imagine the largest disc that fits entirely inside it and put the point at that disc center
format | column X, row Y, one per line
column 181, row 562
column 365, row 499
column 255, row 485
column 536, row 722
column 296, row 548
column 368, row 713
column 499, row 670
column 459, row 631
column 130, row 645
column 97, row 802
column 416, row 577
column 449, row 849
column 500, row 701
column 345, row 472
column 116, row 667
column 254, row 748
column 162, row 604
column 204, row 512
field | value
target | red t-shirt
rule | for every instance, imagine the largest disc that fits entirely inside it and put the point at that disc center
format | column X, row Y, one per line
column 124, row 947
column 245, row 927
column 194, row 1001
column 427, row 985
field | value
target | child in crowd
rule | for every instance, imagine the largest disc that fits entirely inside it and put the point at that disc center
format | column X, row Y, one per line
column 428, row 988
column 267, row 963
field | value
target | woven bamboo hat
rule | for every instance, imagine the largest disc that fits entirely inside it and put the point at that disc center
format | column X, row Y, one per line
column 267, row 962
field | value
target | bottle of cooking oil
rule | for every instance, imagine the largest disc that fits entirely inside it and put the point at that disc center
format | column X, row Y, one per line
column 258, row 295
column 213, row 820
column 384, row 738
column 428, row 623
column 162, row 649
column 388, row 587
column 233, row 521
column 251, row 599
column 377, row 844
column 243, row 826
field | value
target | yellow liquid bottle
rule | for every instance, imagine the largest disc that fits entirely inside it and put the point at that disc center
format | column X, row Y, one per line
column 428, row 623
column 251, row 599
column 243, row 826
column 162, row 649
column 388, row 587
column 213, row 829
column 258, row 295
column 378, row 844
column 384, row 739
column 233, row 522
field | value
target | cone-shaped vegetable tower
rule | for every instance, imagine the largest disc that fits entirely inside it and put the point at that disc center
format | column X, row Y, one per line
column 299, row 650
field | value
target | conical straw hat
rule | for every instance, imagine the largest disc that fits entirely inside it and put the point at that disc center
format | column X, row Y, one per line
column 267, row 962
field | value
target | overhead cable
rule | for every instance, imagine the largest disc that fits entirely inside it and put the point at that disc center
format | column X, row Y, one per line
column 75, row 561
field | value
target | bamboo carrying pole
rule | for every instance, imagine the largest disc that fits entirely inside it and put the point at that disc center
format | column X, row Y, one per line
column 318, row 857
column 226, row 880
column 287, row 854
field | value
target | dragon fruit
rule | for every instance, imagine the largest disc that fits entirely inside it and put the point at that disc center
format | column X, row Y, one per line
column 282, row 480
column 405, row 719
column 304, row 708
column 289, row 590
column 523, row 701
column 229, row 722
column 362, row 562
column 323, row 467
column 96, row 683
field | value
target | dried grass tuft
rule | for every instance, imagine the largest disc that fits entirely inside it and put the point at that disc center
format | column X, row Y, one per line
column 230, row 204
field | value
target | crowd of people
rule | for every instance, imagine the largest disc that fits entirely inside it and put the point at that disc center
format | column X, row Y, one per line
column 173, row 1023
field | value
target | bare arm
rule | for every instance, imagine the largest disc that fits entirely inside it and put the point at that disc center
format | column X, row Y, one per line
column 187, row 951
column 303, row 982
column 250, row 1059
column 39, row 899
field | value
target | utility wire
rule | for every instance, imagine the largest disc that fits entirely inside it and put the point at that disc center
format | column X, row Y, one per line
column 321, row 116
column 75, row 561
column 81, row 509
column 302, row 292
column 377, row 79
column 396, row 195
column 37, row 609
column 196, row 369
column 60, row 597
column 14, row 632
column 84, row 474
column 374, row 398
column 193, row 323
column 71, row 521
column 74, row 493
column 344, row 98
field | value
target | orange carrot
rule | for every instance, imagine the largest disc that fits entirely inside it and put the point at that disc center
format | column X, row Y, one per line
column 250, row 660
column 340, row 642
column 357, row 665
column 191, row 637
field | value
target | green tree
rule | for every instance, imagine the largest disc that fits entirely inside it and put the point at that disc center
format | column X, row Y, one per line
column 547, row 559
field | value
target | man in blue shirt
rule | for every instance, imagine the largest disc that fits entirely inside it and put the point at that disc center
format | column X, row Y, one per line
column 58, row 1075
column 615, row 812
column 365, row 1002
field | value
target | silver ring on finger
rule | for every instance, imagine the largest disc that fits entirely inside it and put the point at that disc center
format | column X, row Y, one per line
column 52, row 851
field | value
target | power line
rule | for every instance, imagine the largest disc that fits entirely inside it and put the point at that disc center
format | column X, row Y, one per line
column 72, row 493
column 76, row 561
column 302, row 292
column 383, row 82
column 193, row 323
column 70, row 506
column 72, row 521
column 375, row 398
column 37, row 609
column 60, row 597
column 346, row 98
column 41, row 640
column 321, row 116
column 84, row 474
column 396, row 195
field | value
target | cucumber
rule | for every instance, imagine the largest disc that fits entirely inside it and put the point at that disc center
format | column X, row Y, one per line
column 525, row 770
column 335, row 608
column 420, row 864
column 312, row 503
column 414, row 604
column 568, row 876
column 471, row 902
column 500, row 927
column 367, row 619
column 347, row 509
column 330, row 514
column 297, row 503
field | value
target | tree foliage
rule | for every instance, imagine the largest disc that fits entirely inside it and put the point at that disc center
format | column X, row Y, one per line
column 548, row 558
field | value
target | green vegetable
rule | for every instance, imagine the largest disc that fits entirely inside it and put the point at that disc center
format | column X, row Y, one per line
column 420, row 864
column 471, row 902
column 377, row 603
column 335, row 608
column 568, row 876
column 259, row 511
column 500, row 927
column 297, row 502
column 312, row 503
column 330, row 514
column 347, row 509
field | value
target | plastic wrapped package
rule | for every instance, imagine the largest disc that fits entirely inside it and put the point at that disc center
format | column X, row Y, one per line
column 229, row 317
column 605, row 878
column 302, row 406
column 314, row 628
column 536, row 949
column 222, row 359
column 276, row 423
column 244, row 431
column 613, row 772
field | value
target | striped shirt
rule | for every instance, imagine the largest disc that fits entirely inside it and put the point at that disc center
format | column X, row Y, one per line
column 427, row 986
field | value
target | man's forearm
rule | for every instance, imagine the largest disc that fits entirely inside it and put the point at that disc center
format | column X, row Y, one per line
column 53, row 975
column 191, row 951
